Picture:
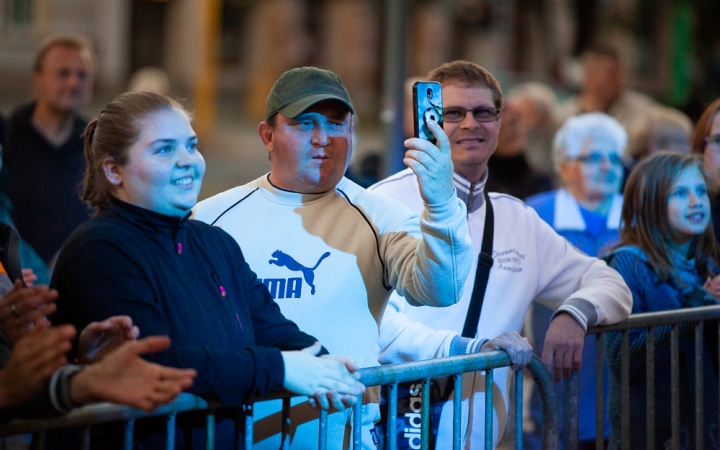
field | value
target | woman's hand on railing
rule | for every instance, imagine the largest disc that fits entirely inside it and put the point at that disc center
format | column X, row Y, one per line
column 124, row 377
column 516, row 346
column 98, row 339
column 330, row 380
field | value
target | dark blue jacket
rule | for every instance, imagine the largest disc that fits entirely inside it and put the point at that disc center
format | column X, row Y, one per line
column 43, row 182
column 184, row 279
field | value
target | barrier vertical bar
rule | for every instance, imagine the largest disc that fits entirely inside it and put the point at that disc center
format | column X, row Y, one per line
column 391, row 441
column 650, row 379
column 357, row 424
column 249, row 425
column 210, row 431
column 599, row 391
column 699, row 435
column 322, row 430
column 488, row 409
column 170, row 430
column 425, row 414
column 285, row 424
column 518, row 409
column 457, row 411
column 675, row 387
column 129, row 431
column 86, row 438
column 625, row 388
column 570, row 409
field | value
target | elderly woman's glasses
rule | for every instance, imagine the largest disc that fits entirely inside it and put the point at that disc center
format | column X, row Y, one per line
column 713, row 141
column 597, row 158
column 481, row 114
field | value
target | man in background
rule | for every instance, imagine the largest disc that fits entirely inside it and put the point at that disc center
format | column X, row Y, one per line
column 43, row 155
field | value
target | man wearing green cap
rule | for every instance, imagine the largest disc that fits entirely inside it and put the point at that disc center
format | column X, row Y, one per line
column 330, row 252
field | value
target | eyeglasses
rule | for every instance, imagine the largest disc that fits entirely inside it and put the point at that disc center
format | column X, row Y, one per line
column 597, row 158
column 713, row 141
column 481, row 114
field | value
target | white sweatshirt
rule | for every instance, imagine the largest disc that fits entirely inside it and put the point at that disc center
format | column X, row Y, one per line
column 331, row 260
column 531, row 262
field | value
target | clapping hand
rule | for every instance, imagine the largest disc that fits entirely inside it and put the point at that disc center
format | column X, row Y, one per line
column 100, row 338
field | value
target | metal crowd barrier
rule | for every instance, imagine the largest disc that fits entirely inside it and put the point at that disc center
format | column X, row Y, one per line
column 390, row 375
column 649, row 321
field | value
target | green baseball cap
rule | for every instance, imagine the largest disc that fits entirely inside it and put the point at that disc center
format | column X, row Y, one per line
column 298, row 89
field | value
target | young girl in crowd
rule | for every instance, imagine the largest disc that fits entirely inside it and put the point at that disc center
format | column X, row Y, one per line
column 666, row 254
column 142, row 255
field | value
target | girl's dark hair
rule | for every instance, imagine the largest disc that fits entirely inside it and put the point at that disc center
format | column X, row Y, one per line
column 111, row 135
column 702, row 128
column 645, row 213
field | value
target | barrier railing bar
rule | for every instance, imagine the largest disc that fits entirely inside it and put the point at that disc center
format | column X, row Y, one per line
column 249, row 425
column 106, row 412
column 101, row 413
column 129, row 432
column 650, row 377
column 357, row 424
column 599, row 391
column 457, row 411
column 322, row 430
column 675, row 387
column 518, row 409
column 625, row 387
column 571, row 394
column 699, row 435
column 391, row 439
column 646, row 320
column 488, row 409
column 425, row 414
column 170, row 428
column 285, row 430
column 85, row 438
column 210, row 431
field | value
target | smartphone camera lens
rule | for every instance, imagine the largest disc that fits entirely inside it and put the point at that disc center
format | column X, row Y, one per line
column 429, row 93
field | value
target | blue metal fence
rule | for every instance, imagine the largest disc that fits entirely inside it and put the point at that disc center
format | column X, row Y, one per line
column 652, row 322
column 391, row 375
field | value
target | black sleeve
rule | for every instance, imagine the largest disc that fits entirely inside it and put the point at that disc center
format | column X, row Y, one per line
column 98, row 279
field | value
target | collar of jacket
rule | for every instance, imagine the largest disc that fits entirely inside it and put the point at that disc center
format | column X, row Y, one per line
column 567, row 215
column 146, row 219
column 470, row 193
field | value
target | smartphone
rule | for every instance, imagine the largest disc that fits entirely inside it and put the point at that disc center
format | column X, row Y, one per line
column 427, row 105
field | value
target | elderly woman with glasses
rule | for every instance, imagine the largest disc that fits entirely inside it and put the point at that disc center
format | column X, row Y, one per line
column 586, row 211
column 706, row 141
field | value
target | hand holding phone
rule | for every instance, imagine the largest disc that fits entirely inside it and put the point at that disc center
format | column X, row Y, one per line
column 428, row 153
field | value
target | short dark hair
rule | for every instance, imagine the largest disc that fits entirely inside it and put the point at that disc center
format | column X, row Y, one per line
column 467, row 74
column 74, row 41
column 602, row 49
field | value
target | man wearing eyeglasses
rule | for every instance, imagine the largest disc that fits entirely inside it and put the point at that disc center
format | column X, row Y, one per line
column 528, row 261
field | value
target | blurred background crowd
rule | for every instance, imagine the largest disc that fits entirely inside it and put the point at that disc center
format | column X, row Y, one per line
column 223, row 55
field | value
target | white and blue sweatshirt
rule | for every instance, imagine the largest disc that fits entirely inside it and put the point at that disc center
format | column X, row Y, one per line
column 331, row 260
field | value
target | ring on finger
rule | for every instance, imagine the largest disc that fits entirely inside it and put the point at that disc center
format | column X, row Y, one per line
column 14, row 311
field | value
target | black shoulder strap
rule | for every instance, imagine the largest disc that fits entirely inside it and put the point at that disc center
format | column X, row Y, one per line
column 482, row 274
